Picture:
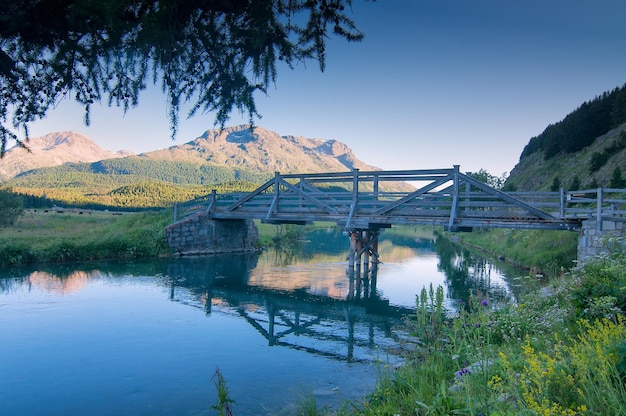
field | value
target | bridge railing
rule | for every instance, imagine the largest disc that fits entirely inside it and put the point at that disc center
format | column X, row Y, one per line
column 436, row 196
column 599, row 203
column 204, row 203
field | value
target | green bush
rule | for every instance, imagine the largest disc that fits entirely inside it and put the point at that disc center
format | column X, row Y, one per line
column 11, row 207
column 63, row 252
column 16, row 255
column 535, row 357
column 599, row 288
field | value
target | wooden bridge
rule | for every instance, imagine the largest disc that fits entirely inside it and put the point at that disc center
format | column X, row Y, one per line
column 363, row 202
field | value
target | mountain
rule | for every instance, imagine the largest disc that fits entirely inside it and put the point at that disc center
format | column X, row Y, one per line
column 233, row 159
column 51, row 150
column 591, row 167
column 262, row 150
column 587, row 149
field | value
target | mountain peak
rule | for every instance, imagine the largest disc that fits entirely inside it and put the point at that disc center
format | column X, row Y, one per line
column 262, row 150
column 51, row 150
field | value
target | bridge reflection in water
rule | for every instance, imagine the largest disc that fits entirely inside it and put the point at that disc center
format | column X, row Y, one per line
column 301, row 300
column 359, row 327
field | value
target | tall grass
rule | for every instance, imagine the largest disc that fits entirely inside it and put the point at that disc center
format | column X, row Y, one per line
column 545, row 355
column 83, row 235
column 546, row 251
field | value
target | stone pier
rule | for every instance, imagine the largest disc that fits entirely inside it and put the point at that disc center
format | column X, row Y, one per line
column 198, row 235
column 598, row 239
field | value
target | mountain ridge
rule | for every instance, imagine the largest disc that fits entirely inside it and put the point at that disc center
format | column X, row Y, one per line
column 54, row 149
column 262, row 150
column 232, row 159
column 536, row 172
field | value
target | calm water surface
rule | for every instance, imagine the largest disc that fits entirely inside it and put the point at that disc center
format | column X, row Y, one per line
column 147, row 338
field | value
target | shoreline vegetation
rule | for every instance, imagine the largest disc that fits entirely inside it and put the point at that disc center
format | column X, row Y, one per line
column 61, row 235
column 560, row 350
column 542, row 253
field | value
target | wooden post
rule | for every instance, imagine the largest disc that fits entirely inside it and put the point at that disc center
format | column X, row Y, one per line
column 599, row 210
column 455, row 199
column 359, row 251
column 352, row 249
column 355, row 190
column 374, row 244
column 376, row 186
column 366, row 253
column 468, row 190
column 350, row 283
column 212, row 202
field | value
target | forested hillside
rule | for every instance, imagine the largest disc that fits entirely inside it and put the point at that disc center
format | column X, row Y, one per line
column 130, row 182
column 109, row 171
column 587, row 149
column 581, row 127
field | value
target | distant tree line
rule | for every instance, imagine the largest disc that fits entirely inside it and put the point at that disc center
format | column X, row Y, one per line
column 582, row 126
column 491, row 180
column 125, row 171
column 129, row 183
column 134, row 197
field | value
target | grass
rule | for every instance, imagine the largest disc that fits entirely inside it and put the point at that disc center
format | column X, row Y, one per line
column 47, row 236
column 546, row 355
column 546, row 252
column 75, row 235
column 559, row 350
column 57, row 236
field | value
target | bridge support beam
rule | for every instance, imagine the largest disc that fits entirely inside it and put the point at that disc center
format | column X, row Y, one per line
column 599, row 238
column 199, row 234
column 363, row 247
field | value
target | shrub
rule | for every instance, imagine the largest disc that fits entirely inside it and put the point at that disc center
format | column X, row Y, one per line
column 11, row 207
column 16, row 255
column 533, row 358
column 599, row 288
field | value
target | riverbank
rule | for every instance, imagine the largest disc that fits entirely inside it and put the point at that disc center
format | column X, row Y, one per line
column 546, row 253
column 64, row 235
column 559, row 351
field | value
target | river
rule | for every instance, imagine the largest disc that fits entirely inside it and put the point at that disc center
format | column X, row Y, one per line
column 147, row 338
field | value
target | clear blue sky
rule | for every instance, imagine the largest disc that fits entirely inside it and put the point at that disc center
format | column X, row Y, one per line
column 433, row 84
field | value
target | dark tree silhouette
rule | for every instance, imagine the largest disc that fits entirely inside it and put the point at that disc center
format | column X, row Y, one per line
column 214, row 54
column 581, row 127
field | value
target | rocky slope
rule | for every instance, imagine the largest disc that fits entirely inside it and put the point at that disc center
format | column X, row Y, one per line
column 534, row 172
column 51, row 150
column 263, row 150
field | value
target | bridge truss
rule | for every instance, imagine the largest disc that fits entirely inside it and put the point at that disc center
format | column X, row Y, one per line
column 364, row 202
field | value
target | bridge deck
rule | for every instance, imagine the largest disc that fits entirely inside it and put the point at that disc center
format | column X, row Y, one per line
column 441, row 197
